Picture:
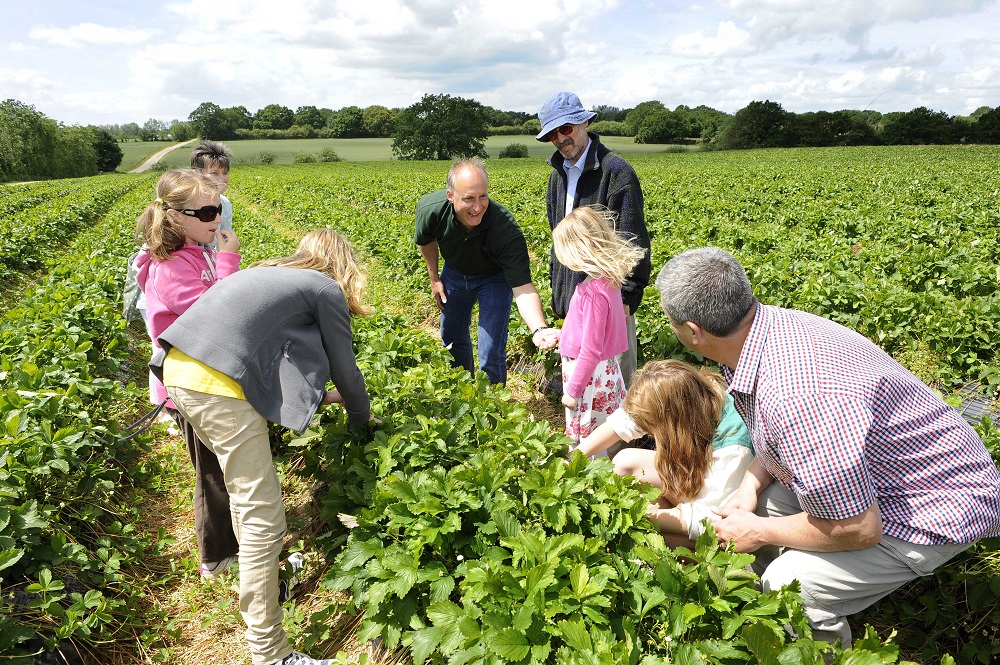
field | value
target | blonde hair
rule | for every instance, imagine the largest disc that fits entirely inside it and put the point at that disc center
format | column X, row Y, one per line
column 585, row 241
column 330, row 253
column 680, row 407
column 174, row 191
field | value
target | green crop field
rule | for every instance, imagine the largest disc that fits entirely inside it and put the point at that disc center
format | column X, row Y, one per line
column 475, row 542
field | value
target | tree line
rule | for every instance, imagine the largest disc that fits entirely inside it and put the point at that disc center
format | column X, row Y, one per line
column 34, row 147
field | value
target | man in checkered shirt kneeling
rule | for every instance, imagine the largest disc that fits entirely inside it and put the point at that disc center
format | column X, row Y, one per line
column 878, row 480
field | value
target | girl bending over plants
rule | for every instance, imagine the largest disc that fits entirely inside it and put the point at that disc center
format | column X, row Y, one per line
column 702, row 444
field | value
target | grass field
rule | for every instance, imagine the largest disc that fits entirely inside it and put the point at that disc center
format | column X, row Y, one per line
column 135, row 152
column 356, row 150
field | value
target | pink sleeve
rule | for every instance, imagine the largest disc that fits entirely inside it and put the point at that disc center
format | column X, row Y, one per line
column 226, row 263
column 594, row 323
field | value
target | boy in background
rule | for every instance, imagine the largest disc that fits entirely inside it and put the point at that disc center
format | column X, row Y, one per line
column 212, row 159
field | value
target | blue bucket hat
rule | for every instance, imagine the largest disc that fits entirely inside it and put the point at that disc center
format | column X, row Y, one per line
column 560, row 109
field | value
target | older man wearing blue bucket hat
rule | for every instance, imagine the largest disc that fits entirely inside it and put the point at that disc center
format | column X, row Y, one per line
column 585, row 172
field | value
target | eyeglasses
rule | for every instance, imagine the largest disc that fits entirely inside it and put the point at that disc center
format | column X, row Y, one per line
column 565, row 130
column 204, row 213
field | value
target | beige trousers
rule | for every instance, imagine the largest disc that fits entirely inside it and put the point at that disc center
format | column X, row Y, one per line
column 237, row 434
column 836, row 585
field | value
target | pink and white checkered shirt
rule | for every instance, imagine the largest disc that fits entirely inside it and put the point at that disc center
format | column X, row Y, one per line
column 842, row 424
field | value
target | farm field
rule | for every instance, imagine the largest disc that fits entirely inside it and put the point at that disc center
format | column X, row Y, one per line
column 359, row 150
column 475, row 543
column 135, row 153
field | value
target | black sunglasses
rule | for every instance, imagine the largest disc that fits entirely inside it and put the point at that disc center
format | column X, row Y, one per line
column 565, row 130
column 204, row 213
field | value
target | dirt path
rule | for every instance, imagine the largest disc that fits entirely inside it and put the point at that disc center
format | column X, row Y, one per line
column 158, row 156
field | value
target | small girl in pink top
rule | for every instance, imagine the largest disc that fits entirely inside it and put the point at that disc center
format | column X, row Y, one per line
column 176, row 267
column 594, row 331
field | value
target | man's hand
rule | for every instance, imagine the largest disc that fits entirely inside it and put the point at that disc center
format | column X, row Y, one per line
column 333, row 397
column 440, row 297
column 546, row 338
column 741, row 528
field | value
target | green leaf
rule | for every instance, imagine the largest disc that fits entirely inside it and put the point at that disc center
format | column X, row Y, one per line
column 9, row 557
column 576, row 635
column 424, row 641
column 578, row 579
column 510, row 645
column 762, row 642
column 444, row 612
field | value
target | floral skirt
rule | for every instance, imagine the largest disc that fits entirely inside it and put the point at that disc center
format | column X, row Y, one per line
column 604, row 393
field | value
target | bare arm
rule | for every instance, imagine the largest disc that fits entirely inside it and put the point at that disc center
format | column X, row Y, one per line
column 599, row 440
column 430, row 254
column 754, row 482
column 529, row 306
column 801, row 531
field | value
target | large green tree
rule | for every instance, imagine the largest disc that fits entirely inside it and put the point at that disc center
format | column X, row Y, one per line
column 309, row 116
column 635, row 117
column 441, row 127
column 919, row 126
column 757, row 125
column 662, row 127
column 274, row 116
column 27, row 142
column 349, row 123
column 987, row 128
column 109, row 154
column 211, row 121
column 379, row 121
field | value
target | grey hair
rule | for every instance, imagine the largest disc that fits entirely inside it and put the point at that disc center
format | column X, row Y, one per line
column 461, row 165
column 708, row 287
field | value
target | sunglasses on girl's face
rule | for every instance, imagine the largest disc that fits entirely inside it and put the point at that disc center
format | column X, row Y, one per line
column 565, row 130
column 204, row 213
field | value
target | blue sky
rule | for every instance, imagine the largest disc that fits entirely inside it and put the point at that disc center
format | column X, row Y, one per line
column 128, row 61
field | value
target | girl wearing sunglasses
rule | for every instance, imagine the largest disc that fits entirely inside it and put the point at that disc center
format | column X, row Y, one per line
column 176, row 266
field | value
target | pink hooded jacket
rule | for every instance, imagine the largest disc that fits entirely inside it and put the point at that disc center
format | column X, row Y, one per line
column 173, row 285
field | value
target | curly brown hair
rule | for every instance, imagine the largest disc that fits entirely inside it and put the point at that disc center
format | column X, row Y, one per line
column 680, row 407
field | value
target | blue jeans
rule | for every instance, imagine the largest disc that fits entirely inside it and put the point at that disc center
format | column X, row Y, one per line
column 495, row 298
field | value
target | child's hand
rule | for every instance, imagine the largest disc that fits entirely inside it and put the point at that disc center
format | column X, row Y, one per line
column 228, row 242
column 570, row 402
column 333, row 397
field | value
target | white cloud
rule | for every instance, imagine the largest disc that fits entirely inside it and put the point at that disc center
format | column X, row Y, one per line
column 90, row 33
column 728, row 41
column 162, row 58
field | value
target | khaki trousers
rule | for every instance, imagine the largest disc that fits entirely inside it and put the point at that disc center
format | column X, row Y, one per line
column 836, row 585
column 238, row 436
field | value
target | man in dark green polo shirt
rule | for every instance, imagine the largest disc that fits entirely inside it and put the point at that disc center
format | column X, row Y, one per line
column 485, row 261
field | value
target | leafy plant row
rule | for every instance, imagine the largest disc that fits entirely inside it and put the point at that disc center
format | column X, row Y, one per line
column 68, row 544
column 14, row 198
column 477, row 541
column 32, row 234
